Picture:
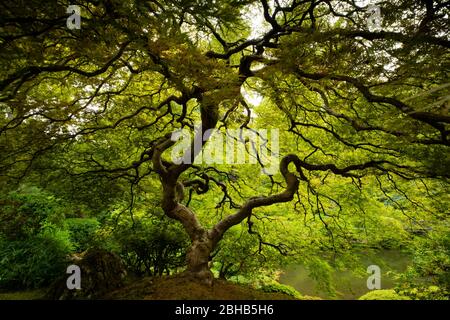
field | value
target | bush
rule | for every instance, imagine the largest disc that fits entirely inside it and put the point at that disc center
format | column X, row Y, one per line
column 426, row 293
column 428, row 278
column 152, row 247
column 82, row 232
column 33, row 244
column 238, row 256
column 282, row 288
column 26, row 212
column 33, row 263
column 383, row 295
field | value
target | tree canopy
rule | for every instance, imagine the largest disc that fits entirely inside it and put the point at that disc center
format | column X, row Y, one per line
column 362, row 113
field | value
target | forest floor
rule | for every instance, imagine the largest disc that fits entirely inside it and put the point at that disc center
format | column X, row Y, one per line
column 35, row 294
column 182, row 288
column 172, row 288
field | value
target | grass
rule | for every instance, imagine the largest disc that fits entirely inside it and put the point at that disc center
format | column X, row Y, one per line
column 23, row 295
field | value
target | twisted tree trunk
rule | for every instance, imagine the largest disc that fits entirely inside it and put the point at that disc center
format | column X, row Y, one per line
column 198, row 257
column 203, row 241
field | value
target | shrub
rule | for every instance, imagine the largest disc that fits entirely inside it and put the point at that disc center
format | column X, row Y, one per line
column 152, row 247
column 426, row 293
column 238, row 256
column 383, row 295
column 82, row 232
column 428, row 278
column 25, row 212
column 33, row 244
column 33, row 263
column 282, row 288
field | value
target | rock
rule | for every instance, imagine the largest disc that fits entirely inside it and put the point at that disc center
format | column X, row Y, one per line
column 101, row 272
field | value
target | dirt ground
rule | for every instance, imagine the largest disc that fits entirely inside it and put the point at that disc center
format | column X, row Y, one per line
column 175, row 287
column 181, row 288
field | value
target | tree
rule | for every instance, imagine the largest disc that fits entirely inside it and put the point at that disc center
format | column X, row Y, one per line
column 95, row 107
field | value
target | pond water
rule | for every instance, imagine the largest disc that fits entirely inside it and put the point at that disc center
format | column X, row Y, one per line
column 348, row 285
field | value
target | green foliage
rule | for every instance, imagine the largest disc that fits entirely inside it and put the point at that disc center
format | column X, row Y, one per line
column 82, row 232
column 25, row 212
column 277, row 287
column 321, row 271
column 423, row 292
column 84, row 112
column 238, row 256
column 152, row 246
column 33, row 263
column 428, row 277
column 383, row 295
column 33, row 244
